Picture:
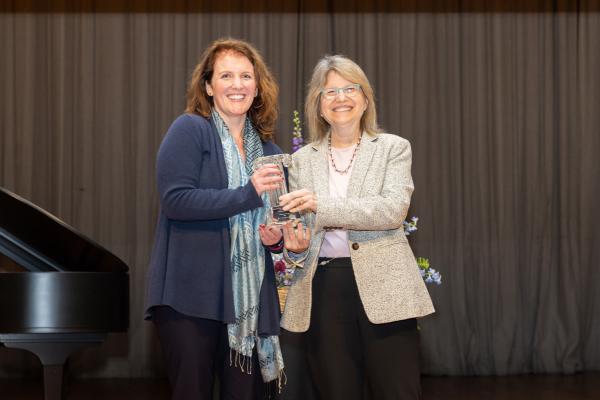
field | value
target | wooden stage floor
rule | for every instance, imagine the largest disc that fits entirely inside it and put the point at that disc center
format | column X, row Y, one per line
column 584, row 386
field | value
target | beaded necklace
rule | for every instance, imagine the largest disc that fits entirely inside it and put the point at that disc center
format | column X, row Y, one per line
column 345, row 171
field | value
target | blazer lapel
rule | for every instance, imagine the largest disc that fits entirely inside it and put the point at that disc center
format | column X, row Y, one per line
column 364, row 156
column 320, row 168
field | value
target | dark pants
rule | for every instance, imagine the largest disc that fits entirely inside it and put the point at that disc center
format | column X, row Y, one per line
column 348, row 356
column 196, row 350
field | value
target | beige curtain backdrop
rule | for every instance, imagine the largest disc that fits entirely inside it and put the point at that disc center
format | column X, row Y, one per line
column 501, row 105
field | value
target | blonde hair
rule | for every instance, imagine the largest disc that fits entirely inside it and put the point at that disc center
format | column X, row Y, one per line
column 318, row 127
column 264, row 109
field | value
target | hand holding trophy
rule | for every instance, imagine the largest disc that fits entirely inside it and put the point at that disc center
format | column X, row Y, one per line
column 276, row 215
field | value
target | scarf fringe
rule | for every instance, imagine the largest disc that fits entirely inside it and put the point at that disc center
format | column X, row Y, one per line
column 244, row 363
column 238, row 360
column 281, row 381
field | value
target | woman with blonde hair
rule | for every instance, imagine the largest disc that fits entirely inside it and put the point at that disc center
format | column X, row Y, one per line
column 358, row 295
column 211, row 289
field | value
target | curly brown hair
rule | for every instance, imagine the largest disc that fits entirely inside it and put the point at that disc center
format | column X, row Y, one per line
column 263, row 111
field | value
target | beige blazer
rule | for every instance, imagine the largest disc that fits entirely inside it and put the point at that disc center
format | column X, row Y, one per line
column 378, row 197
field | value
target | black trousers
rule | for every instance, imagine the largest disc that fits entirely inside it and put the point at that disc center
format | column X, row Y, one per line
column 351, row 358
column 196, row 350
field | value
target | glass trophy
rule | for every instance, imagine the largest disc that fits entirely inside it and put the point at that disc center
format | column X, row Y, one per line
column 276, row 215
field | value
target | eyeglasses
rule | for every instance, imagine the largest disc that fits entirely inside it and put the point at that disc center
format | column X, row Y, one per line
column 332, row 93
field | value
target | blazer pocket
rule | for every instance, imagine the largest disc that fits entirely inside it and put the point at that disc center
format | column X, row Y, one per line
column 385, row 267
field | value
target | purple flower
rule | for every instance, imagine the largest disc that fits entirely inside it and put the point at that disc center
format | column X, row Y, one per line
column 297, row 140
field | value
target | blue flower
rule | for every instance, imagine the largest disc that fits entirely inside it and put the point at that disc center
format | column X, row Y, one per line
column 436, row 276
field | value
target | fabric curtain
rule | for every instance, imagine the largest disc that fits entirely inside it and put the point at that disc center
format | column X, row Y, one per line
column 500, row 103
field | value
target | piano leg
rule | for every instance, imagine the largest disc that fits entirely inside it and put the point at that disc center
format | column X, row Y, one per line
column 53, row 379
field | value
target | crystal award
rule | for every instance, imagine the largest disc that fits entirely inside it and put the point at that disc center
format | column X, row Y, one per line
column 276, row 215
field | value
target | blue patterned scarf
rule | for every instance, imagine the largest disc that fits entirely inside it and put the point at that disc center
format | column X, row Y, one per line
column 247, row 260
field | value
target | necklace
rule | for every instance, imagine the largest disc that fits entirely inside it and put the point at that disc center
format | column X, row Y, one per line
column 345, row 171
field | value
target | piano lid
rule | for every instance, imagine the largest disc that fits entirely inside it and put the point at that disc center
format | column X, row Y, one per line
column 37, row 240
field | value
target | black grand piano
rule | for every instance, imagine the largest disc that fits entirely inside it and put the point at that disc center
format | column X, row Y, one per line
column 59, row 291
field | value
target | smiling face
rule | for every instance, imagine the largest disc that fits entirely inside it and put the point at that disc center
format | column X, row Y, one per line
column 342, row 112
column 233, row 85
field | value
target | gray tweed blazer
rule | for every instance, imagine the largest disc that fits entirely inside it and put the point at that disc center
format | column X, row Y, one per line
column 378, row 197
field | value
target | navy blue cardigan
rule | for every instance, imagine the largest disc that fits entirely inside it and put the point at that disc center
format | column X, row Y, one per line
column 190, row 263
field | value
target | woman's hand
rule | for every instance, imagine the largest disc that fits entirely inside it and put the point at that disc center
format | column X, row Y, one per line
column 268, row 177
column 269, row 235
column 295, row 239
column 302, row 200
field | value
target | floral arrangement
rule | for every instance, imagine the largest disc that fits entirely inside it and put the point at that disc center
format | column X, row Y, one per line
column 284, row 273
column 430, row 275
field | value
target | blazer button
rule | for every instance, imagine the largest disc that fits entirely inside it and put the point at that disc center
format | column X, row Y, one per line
column 355, row 246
